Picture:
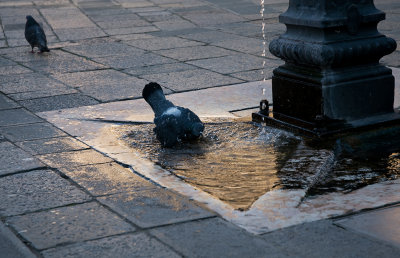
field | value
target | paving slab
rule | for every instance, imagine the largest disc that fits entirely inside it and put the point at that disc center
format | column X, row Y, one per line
column 105, row 85
column 193, row 53
column 37, row 190
column 6, row 62
column 157, row 69
column 130, row 30
column 74, row 158
column 68, row 224
column 212, row 36
column 215, row 238
column 103, row 49
column 64, row 90
column 209, row 18
column 230, row 64
column 58, row 102
column 123, row 23
column 7, row 103
column 79, row 33
column 323, row 239
column 133, row 60
column 158, row 43
column 126, row 16
column 155, row 207
column 63, row 66
column 30, row 132
column 20, row 83
column 250, row 45
column 380, row 224
column 108, row 178
column 14, row 69
column 11, row 246
column 191, row 79
column 129, row 245
column 13, row 159
column 175, row 24
column 52, row 145
column 16, row 117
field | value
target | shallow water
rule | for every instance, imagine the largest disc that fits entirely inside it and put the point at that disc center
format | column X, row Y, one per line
column 237, row 162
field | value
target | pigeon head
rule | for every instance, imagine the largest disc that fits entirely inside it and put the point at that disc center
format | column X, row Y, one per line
column 197, row 129
column 30, row 20
column 150, row 88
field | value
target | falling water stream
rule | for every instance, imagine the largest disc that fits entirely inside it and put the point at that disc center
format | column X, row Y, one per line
column 263, row 54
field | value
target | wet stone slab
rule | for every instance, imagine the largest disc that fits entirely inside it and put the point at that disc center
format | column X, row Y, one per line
column 68, row 224
column 31, row 132
column 36, row 190
column 154, row 208
column 109, row 178
column 129, row 246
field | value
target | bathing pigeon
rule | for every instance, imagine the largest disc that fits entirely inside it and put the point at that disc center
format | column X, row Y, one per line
column 34, row 34
column 173, row 123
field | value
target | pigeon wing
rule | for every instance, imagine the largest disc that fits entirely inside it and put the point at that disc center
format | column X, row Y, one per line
column 35, row 36
column 30, row 35
column 41, row 37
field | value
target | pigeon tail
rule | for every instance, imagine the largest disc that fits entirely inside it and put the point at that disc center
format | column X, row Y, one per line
column 44, row 49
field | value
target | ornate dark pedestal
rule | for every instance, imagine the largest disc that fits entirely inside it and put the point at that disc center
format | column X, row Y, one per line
column 332, row 80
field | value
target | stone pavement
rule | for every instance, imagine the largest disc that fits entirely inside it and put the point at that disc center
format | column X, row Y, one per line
column 59, row 197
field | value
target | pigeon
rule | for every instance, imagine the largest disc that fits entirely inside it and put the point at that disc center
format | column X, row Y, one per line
column 173, row 123
column 34, row 34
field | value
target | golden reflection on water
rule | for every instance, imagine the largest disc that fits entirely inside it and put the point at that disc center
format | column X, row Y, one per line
column 235, row 162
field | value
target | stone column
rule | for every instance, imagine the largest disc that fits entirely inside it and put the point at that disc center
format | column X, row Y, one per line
column 331, row 80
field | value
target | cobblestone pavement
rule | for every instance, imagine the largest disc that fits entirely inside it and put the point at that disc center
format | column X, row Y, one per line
column 60, row 198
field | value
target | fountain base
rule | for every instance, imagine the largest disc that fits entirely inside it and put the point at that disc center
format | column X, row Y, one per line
column 327, row 128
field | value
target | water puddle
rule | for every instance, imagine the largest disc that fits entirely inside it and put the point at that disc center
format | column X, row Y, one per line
column 238, row 162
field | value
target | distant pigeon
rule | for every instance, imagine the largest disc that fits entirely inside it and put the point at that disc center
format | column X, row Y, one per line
column 34, row 34
column 173, row 123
